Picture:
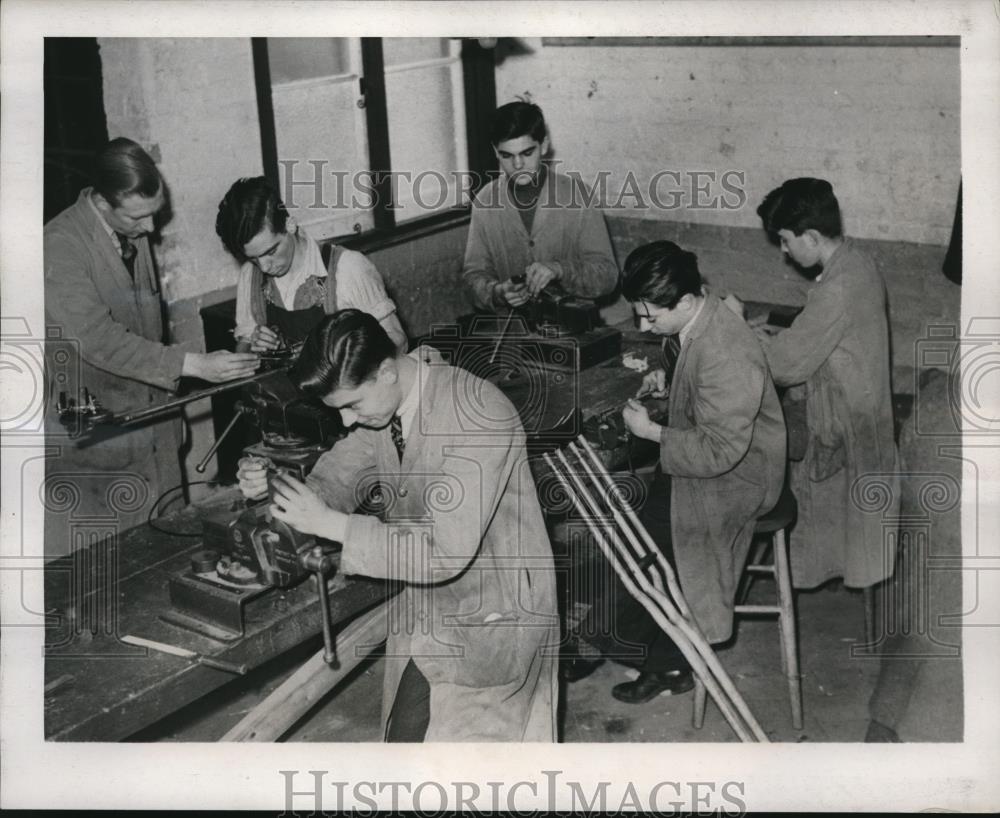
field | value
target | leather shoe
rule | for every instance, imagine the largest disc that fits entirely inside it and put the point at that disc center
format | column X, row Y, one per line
column 577, row 668
column 650, row 685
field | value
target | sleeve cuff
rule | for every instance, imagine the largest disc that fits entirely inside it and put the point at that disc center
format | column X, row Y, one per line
column 173, row 362
column 358, row 539
column 664, row 446
column 382, row 309
column 496, row 300
column 244, row 332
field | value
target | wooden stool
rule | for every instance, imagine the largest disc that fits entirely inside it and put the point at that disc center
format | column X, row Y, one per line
column 774, row 523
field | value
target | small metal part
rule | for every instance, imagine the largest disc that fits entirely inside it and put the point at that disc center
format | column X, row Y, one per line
column 318, row 561
column 236, row 572
column 204, row 562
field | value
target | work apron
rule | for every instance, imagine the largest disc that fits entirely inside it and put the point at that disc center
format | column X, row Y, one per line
column 294, row 325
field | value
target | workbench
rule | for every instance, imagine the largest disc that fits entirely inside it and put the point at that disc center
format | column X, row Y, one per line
column 101, row 689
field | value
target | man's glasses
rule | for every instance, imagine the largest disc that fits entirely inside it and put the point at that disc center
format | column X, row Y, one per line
column 638, row 315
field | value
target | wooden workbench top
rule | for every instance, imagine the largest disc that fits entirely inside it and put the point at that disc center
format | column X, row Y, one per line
column 101, row 689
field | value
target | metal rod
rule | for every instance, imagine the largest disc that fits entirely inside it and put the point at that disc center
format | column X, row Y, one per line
column 200, row 468
column 503, row 332
column 129, row 418
column 329, row 646
column 658, row 605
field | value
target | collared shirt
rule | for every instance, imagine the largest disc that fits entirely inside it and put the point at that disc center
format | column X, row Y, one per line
column 308, row 261
column 687, row 327
column 407, row 410
column 107, row 228
column 357, row 282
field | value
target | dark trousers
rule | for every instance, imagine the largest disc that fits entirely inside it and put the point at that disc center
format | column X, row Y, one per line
column 411, row 709
column 618, row 625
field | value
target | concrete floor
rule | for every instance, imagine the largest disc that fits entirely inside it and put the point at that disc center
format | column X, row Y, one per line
column 835, row 687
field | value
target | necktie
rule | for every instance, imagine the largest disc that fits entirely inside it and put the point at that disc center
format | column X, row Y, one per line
column 128, row 253
column 671, row 352
column 396, row 428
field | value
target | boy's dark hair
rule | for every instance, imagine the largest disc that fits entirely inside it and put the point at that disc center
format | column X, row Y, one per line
column 249, row 206
column 661, row 273
column 343, row 351
column 517, row 119
column 802, row 204
column 123, row 169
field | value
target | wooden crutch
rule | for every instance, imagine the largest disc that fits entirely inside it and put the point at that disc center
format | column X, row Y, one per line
column 702, row 644
column 655, row 602
column 687, row 625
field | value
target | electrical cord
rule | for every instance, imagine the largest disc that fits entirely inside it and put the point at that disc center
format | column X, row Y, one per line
column 153, row 510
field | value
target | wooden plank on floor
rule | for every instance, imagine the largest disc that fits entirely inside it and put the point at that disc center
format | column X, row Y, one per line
column 276, row 714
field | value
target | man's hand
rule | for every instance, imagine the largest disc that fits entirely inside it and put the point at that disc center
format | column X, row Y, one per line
column 220, row 366
column 734, row 304
column 515, row 294
column 252, row 476
column 655, row 384
column 264, row 339
column 538, row 276
column 304, row 510
column 636, row 418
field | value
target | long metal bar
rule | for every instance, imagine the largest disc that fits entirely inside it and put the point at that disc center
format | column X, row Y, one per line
column 200, row 468
column 711, row 659
column 658, row 605
column 503, row 332
column 139, row 415
column 329, row 642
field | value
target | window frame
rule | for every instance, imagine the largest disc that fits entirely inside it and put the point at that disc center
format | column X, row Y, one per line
column 479, row 86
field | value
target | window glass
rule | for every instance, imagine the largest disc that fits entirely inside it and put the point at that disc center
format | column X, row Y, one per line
column 403, row 50
column 299, row 58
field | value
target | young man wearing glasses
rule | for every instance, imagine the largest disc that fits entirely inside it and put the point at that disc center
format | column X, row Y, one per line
column 721, row 466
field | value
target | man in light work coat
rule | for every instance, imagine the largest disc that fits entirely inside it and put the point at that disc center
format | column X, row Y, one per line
column 473, row 636
column 722, row 456
column 847, row 485
column 533, row 226
column 105, row 334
